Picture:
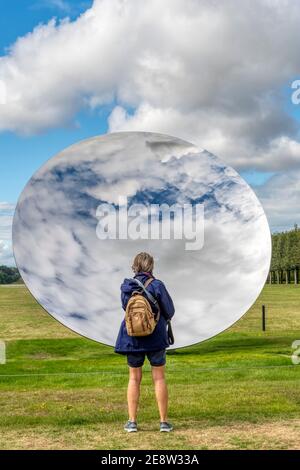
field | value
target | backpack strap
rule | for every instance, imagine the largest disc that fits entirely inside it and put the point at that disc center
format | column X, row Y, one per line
column 148, row 282
column 150, row 296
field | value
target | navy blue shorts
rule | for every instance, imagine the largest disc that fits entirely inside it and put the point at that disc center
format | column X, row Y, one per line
column 156, row 358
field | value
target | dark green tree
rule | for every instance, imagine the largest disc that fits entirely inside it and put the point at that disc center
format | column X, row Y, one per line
column 8, row 275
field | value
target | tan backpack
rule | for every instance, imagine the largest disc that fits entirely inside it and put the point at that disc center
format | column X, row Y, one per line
column 139, row 318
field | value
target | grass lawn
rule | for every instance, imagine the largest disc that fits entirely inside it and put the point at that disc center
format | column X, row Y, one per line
column 239, row 390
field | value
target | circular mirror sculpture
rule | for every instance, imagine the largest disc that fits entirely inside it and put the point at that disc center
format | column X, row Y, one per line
column 89, row 210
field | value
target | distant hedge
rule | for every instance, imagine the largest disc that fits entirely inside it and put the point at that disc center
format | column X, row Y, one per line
column 9, row 275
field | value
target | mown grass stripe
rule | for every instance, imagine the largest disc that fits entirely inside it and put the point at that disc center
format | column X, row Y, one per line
column 170, row 369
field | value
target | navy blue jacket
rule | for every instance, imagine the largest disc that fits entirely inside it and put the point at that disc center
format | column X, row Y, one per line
column 158, row 339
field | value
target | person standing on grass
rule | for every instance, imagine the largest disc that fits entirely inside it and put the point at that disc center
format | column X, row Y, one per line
column 153, row 345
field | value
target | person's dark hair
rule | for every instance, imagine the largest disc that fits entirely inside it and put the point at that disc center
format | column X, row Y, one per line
column 143, row 262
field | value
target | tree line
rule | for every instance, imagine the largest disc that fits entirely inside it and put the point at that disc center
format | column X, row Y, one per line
column 9, row 275
column 285, row 263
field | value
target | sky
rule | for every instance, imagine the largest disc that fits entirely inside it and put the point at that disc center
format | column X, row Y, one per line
column 217, row 75
column 61, row 225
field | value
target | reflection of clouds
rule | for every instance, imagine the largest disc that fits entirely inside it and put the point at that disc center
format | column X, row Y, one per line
column 77, row 277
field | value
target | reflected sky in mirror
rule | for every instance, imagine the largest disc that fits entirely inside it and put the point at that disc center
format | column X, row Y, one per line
column 76, row 276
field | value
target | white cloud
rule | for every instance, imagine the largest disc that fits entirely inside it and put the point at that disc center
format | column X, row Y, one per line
column 60, row 4
column 191, row 68
column 280, row 197
column 237, row 145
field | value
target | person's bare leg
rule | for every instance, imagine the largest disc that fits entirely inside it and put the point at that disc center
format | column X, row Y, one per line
column 161, row 391
column 133, row 391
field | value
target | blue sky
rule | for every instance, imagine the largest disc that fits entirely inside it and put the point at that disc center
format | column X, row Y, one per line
column 21, row 156
column 18, row 17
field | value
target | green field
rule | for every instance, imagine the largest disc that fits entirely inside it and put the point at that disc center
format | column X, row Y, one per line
column 239, row 390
